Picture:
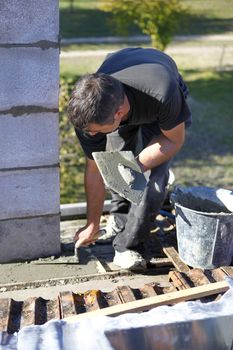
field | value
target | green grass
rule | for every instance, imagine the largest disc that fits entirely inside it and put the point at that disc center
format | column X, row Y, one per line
column 208, row 17
column 79, row 66
column 207, row 156
column 83, row 18
column 86, row 19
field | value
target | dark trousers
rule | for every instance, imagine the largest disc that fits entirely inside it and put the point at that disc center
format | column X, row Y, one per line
column 135, row 220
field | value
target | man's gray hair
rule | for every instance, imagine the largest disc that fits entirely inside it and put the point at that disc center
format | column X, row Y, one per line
column 95, row 99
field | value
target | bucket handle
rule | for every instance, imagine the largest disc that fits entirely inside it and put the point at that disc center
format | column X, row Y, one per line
column 182, row 215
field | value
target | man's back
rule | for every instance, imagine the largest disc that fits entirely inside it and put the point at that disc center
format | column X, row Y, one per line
column 148, row 70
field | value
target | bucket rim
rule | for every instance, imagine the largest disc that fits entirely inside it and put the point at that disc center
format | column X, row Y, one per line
column 203, row 212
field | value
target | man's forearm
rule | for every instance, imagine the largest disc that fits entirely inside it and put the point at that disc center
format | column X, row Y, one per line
column 162, row 149
column 95, row 193
column 157, row 153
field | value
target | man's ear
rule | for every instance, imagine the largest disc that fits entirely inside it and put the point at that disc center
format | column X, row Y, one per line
column 119, row 114
column 122, row 110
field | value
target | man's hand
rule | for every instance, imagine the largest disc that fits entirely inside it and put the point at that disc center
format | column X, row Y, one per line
column 85, row 236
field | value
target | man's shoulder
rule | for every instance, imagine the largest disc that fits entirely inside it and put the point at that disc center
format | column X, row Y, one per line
column 132, row 57
column 148, row 70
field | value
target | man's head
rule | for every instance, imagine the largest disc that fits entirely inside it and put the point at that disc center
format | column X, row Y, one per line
column 95, row 100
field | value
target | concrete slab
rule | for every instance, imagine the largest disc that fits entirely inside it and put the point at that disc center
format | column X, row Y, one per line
column 51, row 292
column 17, row 187
column 29, row 77
column 45, row 270
column 30, row 140
column 23, row 239
column 29, row 21
column 63, row 270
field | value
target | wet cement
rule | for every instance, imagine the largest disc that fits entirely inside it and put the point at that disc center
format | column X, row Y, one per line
column 49, row 276
column 51, row 292
column 122, row 174
column 51, row 267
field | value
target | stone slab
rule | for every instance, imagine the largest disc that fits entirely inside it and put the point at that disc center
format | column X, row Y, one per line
column 31, row 238
column 29, row 140
column 29, row 21
column 29, row 77
column 32, row 192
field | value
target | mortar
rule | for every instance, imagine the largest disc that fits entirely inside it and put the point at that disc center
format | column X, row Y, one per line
column 122, row 174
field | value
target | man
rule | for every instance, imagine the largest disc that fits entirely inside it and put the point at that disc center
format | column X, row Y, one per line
column 136, row 101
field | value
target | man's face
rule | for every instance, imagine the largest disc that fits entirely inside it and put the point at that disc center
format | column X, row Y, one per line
column 121, row 115
column 94, row 128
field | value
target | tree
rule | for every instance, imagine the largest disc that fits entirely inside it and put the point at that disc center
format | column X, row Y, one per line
column 156, row 18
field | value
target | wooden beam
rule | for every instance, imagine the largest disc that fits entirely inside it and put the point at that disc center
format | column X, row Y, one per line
column 175, row 259
column 149, row 303
column 179, row 280
column 228, row 270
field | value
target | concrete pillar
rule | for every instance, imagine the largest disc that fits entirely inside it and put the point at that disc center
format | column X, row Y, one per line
column 29, row 134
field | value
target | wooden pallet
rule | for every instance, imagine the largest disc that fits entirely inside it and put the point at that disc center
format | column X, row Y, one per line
column 185, row 283
column 17, row 314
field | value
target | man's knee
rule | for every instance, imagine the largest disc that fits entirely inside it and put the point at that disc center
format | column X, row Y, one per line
column 158, row 188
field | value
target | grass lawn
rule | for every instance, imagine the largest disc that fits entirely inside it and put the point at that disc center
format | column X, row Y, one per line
column 83, row 18
column 207, row 156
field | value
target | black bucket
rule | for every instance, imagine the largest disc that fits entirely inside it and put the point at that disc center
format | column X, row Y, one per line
column 204, row 224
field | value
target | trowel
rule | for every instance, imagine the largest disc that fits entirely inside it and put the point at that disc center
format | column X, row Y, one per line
column 122, row 174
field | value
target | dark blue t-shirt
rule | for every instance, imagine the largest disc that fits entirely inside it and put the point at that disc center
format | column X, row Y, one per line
column 154, row 87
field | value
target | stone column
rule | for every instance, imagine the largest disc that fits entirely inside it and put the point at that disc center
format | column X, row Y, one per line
column 29, row 134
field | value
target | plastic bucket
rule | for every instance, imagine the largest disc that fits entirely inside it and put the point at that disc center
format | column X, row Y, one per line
column 204, row 225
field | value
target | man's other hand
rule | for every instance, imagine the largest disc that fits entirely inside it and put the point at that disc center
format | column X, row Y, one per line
column 85, row 236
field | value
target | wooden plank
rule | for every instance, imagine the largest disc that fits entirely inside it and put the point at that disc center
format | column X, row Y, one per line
column 126, row 294
column 148, row 290
column 198, row 277
column 163, row 290
column 174, row 257
column 179, row 280
column 228, row 270
column 94, row 300
column 101, row 266
column 28, row 312
column 218, row 275
column 113, row 298
column 149, row 303
column 46, row 310
column 4, row 314
column 70, row 303
column 215, row 275
column 161, row 262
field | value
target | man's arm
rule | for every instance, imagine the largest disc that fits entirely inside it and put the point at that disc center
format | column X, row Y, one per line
column 162, row 148
column 95, row 193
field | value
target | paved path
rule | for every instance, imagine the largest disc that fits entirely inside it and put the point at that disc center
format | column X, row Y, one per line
column 219, row 45
column 170, row 50
column 145, row 38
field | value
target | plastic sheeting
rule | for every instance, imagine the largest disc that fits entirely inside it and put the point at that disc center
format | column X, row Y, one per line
column 184, row 326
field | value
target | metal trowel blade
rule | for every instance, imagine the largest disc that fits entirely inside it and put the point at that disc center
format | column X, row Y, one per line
column 122, row 174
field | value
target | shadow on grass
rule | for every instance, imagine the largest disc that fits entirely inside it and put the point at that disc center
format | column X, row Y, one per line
column 89, row 22
column 84, row 22
column 211, row 104
column 193, row 24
